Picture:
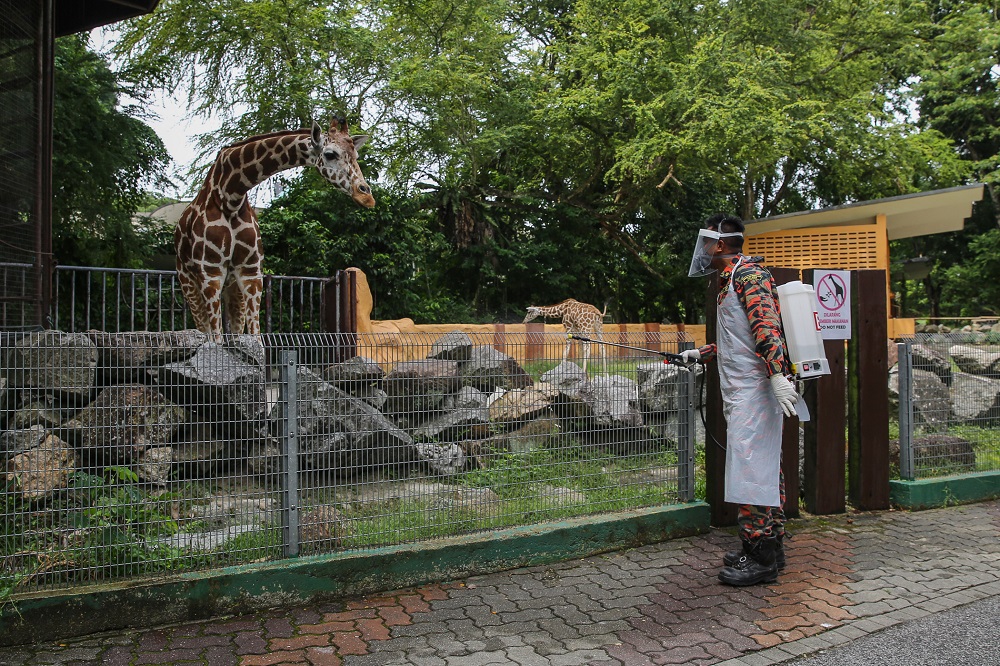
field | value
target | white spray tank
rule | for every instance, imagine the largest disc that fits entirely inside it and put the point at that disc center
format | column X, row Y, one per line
column 800, row 319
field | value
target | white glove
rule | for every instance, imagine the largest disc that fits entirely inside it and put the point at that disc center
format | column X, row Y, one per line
column 784, row 391
column 690, row 356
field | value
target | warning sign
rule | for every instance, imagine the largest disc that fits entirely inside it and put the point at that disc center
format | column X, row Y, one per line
column 833, row 296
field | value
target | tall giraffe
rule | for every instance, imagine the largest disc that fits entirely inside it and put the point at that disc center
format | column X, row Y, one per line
column 577, row 317
column 219, row 251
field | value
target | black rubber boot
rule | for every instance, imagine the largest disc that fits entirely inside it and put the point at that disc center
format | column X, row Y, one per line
column 756, row 566
column 733, row 556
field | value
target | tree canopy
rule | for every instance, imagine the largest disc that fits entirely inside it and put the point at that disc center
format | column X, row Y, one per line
column 534, row 151
column 105, row 159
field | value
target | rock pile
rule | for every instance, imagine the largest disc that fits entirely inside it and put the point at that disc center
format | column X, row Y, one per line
column 173, row 405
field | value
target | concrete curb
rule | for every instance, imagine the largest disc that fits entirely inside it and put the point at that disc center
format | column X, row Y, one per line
column 248, row 588
column 943, row 491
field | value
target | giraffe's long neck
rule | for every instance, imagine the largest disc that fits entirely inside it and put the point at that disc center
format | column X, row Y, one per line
column 240, row 167
column 552, row 310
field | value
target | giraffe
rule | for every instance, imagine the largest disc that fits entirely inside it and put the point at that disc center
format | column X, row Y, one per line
column 577, row 317
column 219, row 250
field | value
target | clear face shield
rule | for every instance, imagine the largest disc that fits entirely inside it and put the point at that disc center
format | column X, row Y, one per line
column 704, row 251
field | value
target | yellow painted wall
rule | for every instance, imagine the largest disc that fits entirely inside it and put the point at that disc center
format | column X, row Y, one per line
column 391, row 341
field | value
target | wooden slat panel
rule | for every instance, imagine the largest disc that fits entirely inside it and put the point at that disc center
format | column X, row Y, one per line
column 847, row 248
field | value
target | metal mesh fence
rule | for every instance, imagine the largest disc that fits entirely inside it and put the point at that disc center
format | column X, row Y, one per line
column 19, row 123
column 118, row 300
column 948, row 391
column 143, row 454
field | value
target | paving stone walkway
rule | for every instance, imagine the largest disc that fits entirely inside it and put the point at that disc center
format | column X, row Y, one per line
column 847, row 577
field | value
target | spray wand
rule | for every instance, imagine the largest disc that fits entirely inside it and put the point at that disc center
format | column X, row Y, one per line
column 668, row 358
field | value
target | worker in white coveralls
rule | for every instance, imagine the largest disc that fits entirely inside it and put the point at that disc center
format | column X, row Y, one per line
column 756, row 392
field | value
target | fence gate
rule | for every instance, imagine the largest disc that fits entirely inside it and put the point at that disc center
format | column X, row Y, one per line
column 340, row 312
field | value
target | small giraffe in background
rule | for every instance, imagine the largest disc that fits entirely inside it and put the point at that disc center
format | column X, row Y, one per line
column 217, row 240
column 577, row 318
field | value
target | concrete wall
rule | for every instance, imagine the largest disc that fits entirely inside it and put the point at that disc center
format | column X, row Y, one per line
column 393, row 341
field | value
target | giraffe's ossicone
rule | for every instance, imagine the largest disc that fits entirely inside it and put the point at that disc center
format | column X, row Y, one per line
column 217, row 239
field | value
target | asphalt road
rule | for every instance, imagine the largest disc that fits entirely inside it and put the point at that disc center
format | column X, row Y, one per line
column 964, row 636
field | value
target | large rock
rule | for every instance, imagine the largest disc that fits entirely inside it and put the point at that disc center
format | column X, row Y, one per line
column 126, row 358
column 612, row 401
column 53, row 361
column 467, row 398
column 199, row 451
column 337, row 431
column 569, row 383
column 14, row 442
column 465, row 423
column 931, row 360
column 455, row 346
column 46, row 410
column 514, row 408
column 975, row 360
column 223, row 383
column 155, row 465
column 353, row 373
column 488, row 369
column 567, row 378
column 416, row 390
column 937, row 450
column 123, row 422
column 975, row 399
column 931, row 399
column 659, row 387
column 445, row 460
column 659, row 391
column 39, row 472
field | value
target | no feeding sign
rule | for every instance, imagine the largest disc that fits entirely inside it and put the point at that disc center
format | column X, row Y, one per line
column 833, row 300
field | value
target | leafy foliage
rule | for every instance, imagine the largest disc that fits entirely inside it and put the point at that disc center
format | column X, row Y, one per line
column 104, row 160
column 534, row 151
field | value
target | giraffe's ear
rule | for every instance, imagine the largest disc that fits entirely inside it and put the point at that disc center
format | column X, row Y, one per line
column 359, row 140
column 317, row 137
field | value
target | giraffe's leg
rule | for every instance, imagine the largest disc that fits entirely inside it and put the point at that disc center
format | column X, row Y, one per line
column 254, row 291
column 210, row 281
column 604, row 352
column 201, row 292
column 242, row 296
column 586, row 355
column 234, row 306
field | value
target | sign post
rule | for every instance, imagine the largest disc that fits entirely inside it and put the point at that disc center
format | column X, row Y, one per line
column 833, row 293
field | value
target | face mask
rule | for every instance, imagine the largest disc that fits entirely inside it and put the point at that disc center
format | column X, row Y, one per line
column 704, row 251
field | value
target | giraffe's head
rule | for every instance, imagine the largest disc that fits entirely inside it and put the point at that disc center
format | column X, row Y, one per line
column 533, row 313
column 336, row 156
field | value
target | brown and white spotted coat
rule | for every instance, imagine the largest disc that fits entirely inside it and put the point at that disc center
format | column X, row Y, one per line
column 217, row 239
column 578, row 319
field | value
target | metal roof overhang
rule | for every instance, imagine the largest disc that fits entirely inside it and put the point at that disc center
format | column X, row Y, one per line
column 71, row 16
column 905, row 216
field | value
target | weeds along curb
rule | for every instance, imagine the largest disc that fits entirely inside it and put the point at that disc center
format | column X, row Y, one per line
column 944, row 491
column 247, row 588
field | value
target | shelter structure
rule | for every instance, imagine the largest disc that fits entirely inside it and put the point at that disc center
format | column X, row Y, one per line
column 28, row 30
column 856, row 236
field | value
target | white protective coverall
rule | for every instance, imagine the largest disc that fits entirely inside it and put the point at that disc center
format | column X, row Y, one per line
column 753, row 415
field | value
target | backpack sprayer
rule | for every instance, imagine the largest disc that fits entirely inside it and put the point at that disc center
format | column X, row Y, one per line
column 668, row 358
column 800, row 320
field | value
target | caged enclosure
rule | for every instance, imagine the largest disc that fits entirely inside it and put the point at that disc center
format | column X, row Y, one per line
column 137, row 454
column 945, row 389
